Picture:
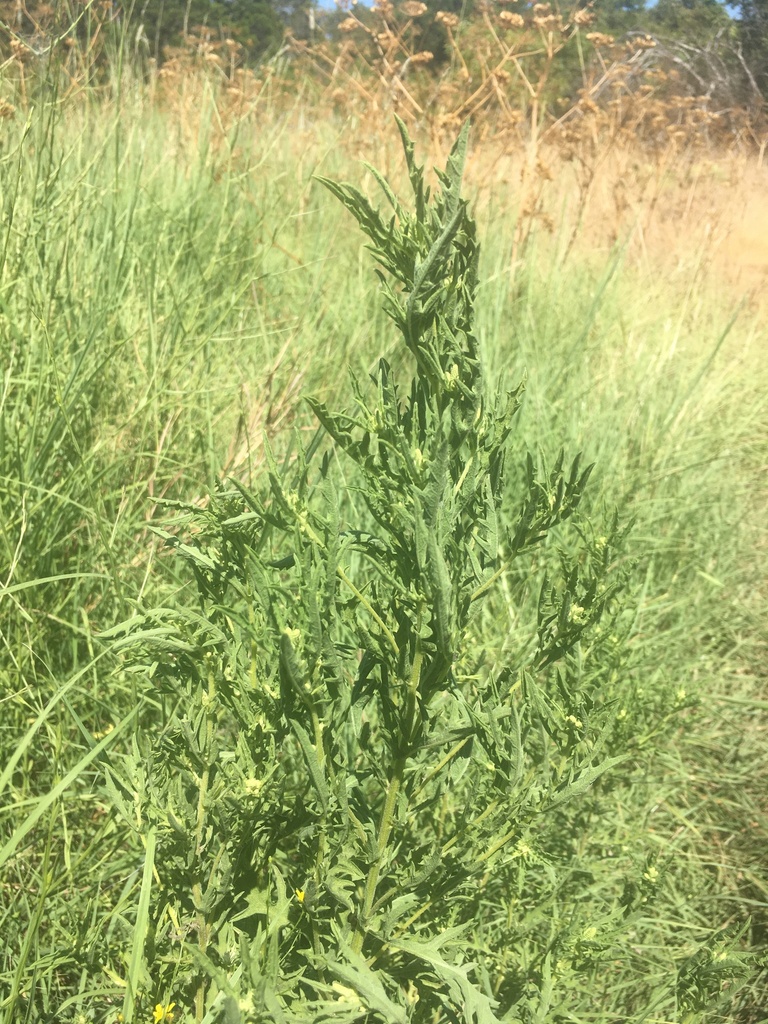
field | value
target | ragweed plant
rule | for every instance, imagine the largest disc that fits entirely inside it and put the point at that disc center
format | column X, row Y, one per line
column 349, row 812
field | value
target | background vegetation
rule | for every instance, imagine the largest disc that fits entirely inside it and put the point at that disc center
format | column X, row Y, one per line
column 174, row 280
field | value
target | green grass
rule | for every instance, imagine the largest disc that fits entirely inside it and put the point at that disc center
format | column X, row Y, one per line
column 168, row 294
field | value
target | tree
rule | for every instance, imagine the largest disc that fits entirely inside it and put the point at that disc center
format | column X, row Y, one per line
column 687, row 20
column 621, row 15
column 753, row 33
column 690, row 21
column 255, row 24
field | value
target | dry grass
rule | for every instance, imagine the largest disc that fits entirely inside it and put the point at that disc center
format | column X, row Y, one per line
column 636, row 158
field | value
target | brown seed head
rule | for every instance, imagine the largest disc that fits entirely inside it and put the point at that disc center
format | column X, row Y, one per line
column 512, row 20
column 544, row 171
column 600, row 39
column 447, row 19
column 413, row 8
column 549, row 23
column 20, row 50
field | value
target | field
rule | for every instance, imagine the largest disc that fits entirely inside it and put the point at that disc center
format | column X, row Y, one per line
column 175, row 282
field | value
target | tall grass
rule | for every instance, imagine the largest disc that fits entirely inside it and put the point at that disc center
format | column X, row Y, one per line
column 169, row 289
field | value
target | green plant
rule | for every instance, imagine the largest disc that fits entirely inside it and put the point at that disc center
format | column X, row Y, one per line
column 350, row 812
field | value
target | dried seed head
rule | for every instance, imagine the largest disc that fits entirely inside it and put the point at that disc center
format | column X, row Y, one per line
column 20, row 50
column 549, row 23
column 583, row 17
column 423, row 57
column 600, row 39
column 413, row 8
column 447, row 19
column 349, row 25
column 543, row 170
column 512, row 20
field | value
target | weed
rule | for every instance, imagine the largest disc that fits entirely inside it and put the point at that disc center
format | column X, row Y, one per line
column 170, row 278
column 343, row 799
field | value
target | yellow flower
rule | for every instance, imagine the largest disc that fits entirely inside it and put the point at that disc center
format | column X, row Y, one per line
column 300, row 894
column 163, row 1012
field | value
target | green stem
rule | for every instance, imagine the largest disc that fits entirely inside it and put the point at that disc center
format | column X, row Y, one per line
column 387, row 819
column 203, row 928
column 489, row 582
column 322, row 824
column 372, row 611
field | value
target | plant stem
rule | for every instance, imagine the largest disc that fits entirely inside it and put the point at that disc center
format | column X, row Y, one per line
column 388, row 810
column 203, row 929
column 372, row 611
column 323, row 822
column 476, row 594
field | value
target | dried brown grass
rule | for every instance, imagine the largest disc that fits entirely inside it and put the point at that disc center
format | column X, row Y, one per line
column 635, row 157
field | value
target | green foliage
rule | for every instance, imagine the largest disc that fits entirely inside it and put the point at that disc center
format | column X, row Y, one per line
column 152, row 26
column 691, row 21
column 753, row 30
column 149, row 281
column 96, row 312
column 256, row 25
column 342, row 795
